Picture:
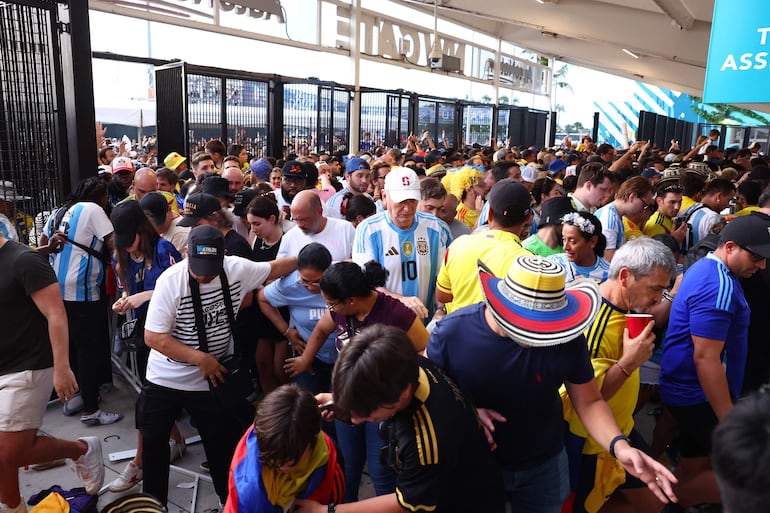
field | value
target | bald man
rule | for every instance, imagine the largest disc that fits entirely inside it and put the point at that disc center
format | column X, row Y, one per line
column 312, row 226
column 145, row 181
column 234, row 177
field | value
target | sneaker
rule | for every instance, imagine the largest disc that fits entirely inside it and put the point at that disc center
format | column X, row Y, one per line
column 90, row 466
column 130, row 477
column 21, row 508
column 205, row 466
column 100, row 418
column 177, row 450
column 73, row 406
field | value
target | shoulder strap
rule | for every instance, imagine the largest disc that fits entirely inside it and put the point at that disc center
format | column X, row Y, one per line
column 200, row 324
column 91, row 251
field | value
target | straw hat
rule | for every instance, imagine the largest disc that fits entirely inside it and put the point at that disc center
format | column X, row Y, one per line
column 532, row 305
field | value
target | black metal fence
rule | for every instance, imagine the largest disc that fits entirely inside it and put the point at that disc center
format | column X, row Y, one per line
column 28, row 115
column 316, row 117
column 661, row 130
column 272, row 115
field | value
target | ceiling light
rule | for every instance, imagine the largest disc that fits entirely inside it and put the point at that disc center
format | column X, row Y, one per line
column 632, row 54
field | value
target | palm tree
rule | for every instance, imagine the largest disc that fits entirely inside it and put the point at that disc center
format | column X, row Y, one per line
column 716, row 113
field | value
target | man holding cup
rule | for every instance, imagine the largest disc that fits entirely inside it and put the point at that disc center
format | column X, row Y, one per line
column 620, row 340
column 704, row 352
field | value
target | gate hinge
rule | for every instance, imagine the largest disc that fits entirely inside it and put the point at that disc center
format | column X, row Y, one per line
column 63, row 28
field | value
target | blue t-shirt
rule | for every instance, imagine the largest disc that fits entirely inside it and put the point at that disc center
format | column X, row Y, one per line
column 521, row 383
column 141, row 278
column 710, row 304
column 305, row 308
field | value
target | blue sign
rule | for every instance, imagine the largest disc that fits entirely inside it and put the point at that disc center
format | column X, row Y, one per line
column 738, row 66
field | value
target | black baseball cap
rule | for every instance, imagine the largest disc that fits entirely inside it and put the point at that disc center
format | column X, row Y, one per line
column 126, row 218
column 751, row 232
column 507, row 197
column 553, row 209
column 206, row 250
column 155, row 206
column 242, row 200
column 197, row 206
column 294, row 169
column 216, row 186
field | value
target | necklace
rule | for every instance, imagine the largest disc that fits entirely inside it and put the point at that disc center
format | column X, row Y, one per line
column 263, row 244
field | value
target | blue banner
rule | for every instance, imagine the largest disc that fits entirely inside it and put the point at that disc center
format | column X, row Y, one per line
column 738, row 69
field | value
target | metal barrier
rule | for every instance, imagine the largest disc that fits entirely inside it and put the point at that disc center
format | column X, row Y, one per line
column 28, row 116
column 661, row 130
column 316, row 117
column 278, row 116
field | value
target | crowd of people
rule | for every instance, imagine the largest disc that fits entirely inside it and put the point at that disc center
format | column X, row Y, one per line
column 453, row 320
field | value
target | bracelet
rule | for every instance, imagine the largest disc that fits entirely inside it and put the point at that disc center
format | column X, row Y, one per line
column 616, row 440
column 625, row 371
column 668, row 297
column 332, row 508
column 287, row 330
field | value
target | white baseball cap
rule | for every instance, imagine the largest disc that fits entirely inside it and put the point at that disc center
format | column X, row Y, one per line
column 402, row 184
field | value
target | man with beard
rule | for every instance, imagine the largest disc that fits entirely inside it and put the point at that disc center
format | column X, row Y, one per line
column 293, row 179
column 358, row 176
column 704, row 352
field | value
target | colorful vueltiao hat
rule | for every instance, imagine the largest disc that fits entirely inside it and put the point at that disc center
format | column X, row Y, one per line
column 532, row 305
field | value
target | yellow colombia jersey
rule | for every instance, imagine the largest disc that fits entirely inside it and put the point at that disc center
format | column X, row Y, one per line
column 467, row 216
column 605, row 342
column 459, row 275
column 658, row 224
column 687, row 202
column 630, row 230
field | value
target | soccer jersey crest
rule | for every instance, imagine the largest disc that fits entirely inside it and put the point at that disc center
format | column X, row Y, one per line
column 422, row 246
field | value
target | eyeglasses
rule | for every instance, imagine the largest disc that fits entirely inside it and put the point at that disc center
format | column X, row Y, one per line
column 754, row 256
column 332, row 306
column 647, row 206
column 311, row 284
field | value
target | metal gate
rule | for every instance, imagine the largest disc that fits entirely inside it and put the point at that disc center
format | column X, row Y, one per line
column 477, row 124
column 28, row 114
column 316, row 118
column 385, row 118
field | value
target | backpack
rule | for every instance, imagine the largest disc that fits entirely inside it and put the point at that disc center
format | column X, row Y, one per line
column 685, row 216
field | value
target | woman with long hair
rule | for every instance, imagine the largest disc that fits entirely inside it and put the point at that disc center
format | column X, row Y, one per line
column 271, row 346
column 353, row 303
column 584, row 246
column 141, row 255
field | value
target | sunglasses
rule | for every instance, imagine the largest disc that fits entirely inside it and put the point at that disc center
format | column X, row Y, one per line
column 754, row 256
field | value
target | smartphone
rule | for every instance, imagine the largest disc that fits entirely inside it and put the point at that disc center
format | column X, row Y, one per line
column 328, row 405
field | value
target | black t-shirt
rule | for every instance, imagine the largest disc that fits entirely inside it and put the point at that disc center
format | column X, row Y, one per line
column 441, row 456
column 24, row 344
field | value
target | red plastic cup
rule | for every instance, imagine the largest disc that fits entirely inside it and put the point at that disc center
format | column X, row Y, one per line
column 636, row 323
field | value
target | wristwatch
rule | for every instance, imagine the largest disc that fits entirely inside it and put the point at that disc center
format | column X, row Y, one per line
column 332, row 507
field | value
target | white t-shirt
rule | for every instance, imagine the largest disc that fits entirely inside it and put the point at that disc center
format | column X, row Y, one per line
column 337, row 236
column 171, row 311
column 177, row 235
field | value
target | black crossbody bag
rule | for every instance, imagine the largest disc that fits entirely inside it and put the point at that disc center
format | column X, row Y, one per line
column 237, row 387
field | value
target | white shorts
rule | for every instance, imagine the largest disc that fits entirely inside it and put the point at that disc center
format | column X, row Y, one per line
column 23, row 399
